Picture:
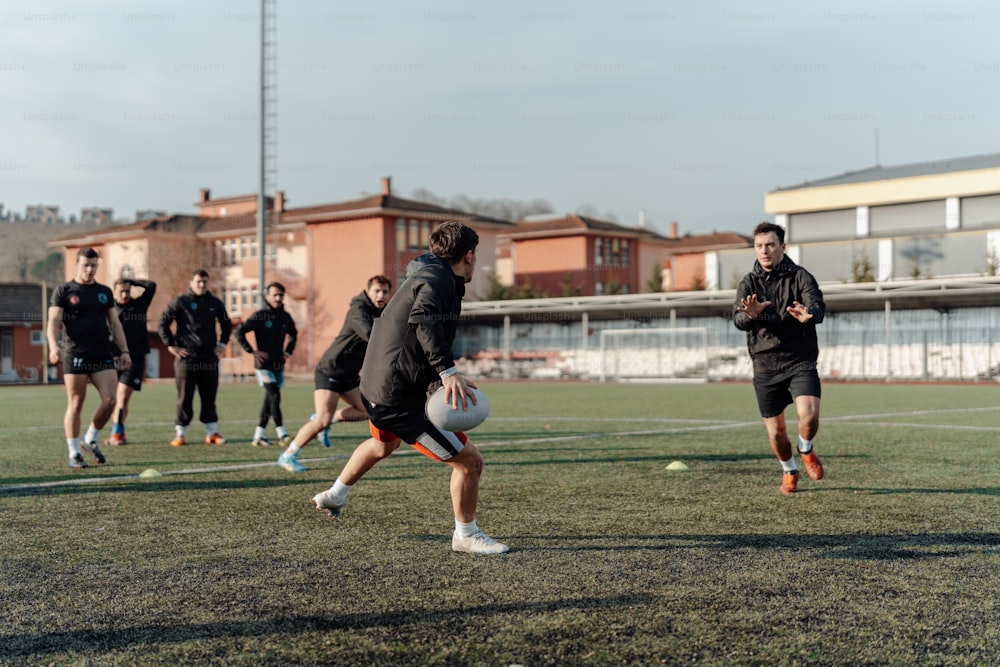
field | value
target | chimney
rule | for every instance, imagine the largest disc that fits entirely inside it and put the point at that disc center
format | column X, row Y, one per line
column 642, row 218
column 279, row 201
column 204, row 195
column 673, row 230
column 387, row 185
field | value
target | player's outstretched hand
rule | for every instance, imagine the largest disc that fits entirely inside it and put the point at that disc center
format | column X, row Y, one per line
column 751, row 306
column 800, row 312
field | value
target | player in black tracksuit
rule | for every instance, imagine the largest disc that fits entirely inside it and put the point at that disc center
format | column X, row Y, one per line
column 196, row 344
column 271, row 327
column 408, row 353
column 132, row 313
column 338, row 373
column 779, row 305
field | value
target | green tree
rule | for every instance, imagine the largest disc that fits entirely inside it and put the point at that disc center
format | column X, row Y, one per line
column 568, row 287
column 698, row 283
column 655, row 282
column 527, row 291
column 49, row 269
column 862, row 268
column 496, row 291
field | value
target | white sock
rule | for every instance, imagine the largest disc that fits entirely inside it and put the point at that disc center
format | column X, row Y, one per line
column 212, row 428
column 805, row 446
column 74, row 446
column 334, row 420
column 340, row 491
column 466, row 529
column 258, row 433
column 92, row 434
column 293, row 449
column 181, row 430
column 282, row 433
column 789, row 465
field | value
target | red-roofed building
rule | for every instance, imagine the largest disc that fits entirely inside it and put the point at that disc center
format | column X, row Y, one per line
column 323, row 255
column 22, row 338
column 575, row 254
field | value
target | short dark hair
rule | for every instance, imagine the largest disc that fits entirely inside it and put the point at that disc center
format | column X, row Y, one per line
column 768, row 227
column 122, row 281
column 276, row 285
column 379, row 279
column 89, row 253
column 452, row 240
column 201, row 273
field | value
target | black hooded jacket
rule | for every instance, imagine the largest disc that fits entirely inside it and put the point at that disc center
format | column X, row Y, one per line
column 346, row 354
column 775, row 336
column 196, row 317
column 411, row 342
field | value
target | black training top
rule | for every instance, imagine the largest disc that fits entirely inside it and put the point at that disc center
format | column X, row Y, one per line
column 133, row 316
column 270, row 327
column 346, row 354
column 196, row 316
column 85, row 318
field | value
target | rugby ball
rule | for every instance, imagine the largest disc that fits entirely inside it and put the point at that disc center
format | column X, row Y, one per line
column 442, row 415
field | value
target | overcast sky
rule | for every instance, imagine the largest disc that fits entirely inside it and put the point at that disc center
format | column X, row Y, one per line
column 689, row 111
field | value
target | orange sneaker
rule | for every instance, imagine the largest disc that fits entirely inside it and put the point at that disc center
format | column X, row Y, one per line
column 178, row 441
column 790, row 482
column 215, row 439
column 814, row 467
column 116, row 440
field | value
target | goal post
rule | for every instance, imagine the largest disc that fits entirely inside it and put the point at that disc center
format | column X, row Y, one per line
column 673, row 354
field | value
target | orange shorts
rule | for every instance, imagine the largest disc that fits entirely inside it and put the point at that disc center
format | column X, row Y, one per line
column 388, row 437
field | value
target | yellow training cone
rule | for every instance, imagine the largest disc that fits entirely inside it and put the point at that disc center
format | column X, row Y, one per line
column 150, row 472
column 677, row 465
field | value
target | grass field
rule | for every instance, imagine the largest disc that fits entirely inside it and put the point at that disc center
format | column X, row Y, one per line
column 893, row 559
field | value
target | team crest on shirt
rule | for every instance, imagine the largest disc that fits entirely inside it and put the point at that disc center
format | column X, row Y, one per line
column 268, row 324
column 194, row 305
column 102, row 297
column 74, row 300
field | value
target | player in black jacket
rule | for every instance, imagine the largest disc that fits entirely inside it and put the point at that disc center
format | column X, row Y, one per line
column 779, row 305
column 196, row 346
column 83, row 310
column 338, row 373
column 408, row 353
column 132, row 313
column 275, row 335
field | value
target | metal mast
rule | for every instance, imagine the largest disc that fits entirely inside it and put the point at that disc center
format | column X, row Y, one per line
column 268, row 121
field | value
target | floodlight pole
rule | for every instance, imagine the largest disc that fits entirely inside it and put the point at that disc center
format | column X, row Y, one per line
column 262, row 118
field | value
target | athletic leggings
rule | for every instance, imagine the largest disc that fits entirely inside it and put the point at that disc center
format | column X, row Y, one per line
column 272, row 406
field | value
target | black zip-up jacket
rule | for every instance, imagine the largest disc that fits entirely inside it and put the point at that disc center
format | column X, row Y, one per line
column 411, row 342
column 346, row 355
column 196, row 317
column 133, row 316
column 775, row 337
column 270, row 327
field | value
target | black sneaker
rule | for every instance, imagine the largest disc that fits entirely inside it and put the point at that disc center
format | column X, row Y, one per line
column 93, row 450
column 76, row 461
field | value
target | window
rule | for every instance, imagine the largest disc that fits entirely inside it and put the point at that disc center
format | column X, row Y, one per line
column 598, row 251
column 37, row 337
column 414, row 235
column 400, row 235
column 598, row 288
column 625, row 252
column 425, row 234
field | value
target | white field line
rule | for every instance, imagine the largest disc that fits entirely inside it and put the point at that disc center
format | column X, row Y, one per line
column 707, row 425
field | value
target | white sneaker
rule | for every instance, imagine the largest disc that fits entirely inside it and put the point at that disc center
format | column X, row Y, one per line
column 324, row 501
column 290, row 462
column 478, row 543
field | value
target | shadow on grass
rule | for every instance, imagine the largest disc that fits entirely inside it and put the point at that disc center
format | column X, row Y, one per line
column 978, row 490
column 626, row 457
column 859, row 547
column 38, row 644
column 131, row 485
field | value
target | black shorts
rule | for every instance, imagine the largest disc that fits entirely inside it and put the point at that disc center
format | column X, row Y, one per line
column 336, row 384
column 133, row 376
column 777, row 389
column 87, row 365
column 413, row 428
